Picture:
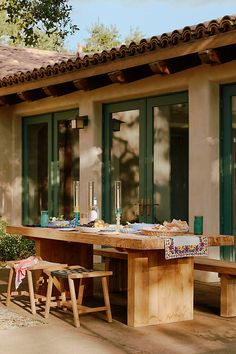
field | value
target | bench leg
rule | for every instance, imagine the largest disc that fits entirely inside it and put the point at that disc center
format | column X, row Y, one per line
column 31, row 292
column 48, row 297
column 9, row 286
column 106, row 299
column 74, row 302
column 228, row 296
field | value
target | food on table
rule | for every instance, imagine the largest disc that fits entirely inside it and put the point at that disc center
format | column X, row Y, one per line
column 100, row 223
column 175, row 226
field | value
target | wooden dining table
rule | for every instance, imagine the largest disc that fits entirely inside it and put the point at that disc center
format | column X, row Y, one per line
column 159, row 290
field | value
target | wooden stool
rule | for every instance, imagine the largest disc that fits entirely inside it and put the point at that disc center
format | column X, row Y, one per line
column 81, row 273
column 41, row 265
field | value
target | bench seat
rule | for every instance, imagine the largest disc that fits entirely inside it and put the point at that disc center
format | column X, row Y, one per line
column 227, row 274
column 116, row 261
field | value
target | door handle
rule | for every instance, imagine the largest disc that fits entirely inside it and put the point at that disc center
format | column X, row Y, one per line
column 148, row 206
column 141, row 206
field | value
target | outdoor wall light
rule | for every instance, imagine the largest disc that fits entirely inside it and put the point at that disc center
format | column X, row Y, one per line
column 116, row 123
column 79, row 122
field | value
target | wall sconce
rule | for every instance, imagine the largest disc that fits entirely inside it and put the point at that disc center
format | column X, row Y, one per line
column 79, row 122
column 116, row 123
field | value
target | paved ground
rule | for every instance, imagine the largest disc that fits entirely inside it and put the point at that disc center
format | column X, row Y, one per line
column 206, row 334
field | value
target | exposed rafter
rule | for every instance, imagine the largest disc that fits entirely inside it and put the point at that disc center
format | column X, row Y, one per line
column 50, row 91
column 117, row 77
column 160, row 67
column 3, row 101
column 25, row 96
column 210, row 56
column 82, row 84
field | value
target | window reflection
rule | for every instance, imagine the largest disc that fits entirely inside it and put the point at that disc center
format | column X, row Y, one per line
column 170, row 162
column 125, row 162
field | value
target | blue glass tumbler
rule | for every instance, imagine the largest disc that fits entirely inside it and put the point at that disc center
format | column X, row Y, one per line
column 44, row 218
column 198, row 225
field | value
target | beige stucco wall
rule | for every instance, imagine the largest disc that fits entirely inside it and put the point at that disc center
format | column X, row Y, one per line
column 202, row 83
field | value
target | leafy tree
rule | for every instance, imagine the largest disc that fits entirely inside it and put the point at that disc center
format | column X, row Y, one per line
column 8, row 30
column 103, row 37
column 135, row 35
column 31, row 20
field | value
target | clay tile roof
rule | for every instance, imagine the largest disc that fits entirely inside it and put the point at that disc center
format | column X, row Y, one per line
column 18, row 65
column 14, row 60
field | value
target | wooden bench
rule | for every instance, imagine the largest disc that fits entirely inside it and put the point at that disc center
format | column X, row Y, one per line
column 116, row 261
column 227, row 274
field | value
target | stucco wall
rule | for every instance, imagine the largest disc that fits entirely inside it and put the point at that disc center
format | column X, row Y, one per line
column 202, row 83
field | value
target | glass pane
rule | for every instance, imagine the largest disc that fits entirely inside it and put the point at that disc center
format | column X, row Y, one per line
column 68, row 154
column 125, row 162
column 37, row 147
column 170, row 162
column 234, row 161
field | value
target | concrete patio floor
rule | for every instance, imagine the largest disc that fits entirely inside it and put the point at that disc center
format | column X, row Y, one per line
column 207, row 333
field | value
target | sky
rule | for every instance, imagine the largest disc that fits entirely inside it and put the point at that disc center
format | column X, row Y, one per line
column 151, row 17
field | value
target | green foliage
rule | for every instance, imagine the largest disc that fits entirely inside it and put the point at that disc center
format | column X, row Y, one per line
column 31, row 21
column 135, row 35
column 103, row 37
column 13, row 247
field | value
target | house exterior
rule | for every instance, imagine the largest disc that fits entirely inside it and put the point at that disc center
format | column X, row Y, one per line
column 159, row 115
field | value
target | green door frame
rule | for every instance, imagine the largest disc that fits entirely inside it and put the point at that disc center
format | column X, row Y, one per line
column 52, row 120
column 145, row 106
column 56, row 117
column 26, row 122
column 226, row 181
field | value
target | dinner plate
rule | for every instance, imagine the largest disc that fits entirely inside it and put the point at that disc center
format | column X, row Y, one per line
column 90, row 230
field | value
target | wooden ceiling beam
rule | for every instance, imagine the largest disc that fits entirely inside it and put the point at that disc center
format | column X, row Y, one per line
column 160, row 67
column 3, row 101
column 25, row 96
column 117, row 77
column 210, row 56
column 82, row 84
column 51, row 91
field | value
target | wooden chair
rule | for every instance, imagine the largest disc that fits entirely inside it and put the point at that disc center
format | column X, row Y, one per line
column 71, row 274
column 34, row 297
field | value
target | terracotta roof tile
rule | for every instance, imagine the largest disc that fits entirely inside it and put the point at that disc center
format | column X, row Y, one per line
column 32, row 64
column 15, row 59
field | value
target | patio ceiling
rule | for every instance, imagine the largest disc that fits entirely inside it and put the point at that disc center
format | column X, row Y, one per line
column 212, row 43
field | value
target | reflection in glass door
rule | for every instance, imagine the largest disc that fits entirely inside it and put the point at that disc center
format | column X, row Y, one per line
column 167, row 191
column 124, row 148
column 50, row 164
column 146, row 147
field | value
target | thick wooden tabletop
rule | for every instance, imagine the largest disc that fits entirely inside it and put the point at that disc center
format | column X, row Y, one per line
column 128, row 241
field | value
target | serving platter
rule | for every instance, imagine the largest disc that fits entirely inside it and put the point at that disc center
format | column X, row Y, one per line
column 152, row 232
column 92, row 230
column 88, row 229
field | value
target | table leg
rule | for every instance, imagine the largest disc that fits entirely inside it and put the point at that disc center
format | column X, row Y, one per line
column 159, row 290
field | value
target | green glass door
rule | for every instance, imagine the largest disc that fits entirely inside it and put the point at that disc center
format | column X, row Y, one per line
column 50, row 164
column 124, row 159
column 228, row 167
column 167, row 154
column 146, row 147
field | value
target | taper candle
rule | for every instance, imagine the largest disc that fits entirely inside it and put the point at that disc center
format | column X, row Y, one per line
column 90, row 194
column 118, row 197
column 76, row 186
